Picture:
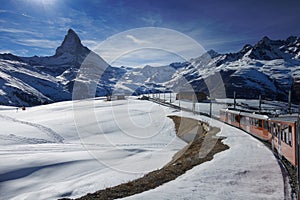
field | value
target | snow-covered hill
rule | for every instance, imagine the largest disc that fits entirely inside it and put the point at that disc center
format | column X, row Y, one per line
column 45, row 155
column 270, row 68
column 50, row 152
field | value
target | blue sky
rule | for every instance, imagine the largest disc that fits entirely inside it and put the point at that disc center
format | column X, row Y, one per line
column 37, row 27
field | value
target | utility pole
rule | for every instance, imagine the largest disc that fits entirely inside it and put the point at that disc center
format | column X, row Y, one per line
column 259, row 104
column 194, row 104
column 290, row 102
column 170, row 96
column 210, row 108
column 234, row 100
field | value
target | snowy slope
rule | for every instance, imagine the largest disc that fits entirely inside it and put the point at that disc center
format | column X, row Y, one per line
column 270, row 68
column 44, row 157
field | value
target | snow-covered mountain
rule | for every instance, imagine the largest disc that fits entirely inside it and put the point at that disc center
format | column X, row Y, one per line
column 26, row 81
column 270, row 68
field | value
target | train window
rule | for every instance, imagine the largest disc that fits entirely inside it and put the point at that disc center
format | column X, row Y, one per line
column 255, row 122
column 232, row 117
column 281, row 133
column 285, row 130
column 243, row 120
column 236, row 118
column 290, row 139
column 266, row 125
column 272, row 128
column 260, row 123
column 247, row 121
column 276, row 130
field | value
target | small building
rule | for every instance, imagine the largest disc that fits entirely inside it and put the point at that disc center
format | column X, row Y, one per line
column 191, row 95
column 120, row 97
column 117, row 96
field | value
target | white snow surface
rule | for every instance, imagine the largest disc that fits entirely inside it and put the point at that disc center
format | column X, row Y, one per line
column 47, row 153
column 44, row 157
column 248, row 170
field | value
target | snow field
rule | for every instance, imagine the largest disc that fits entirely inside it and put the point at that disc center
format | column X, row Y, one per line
column 56, row 150
column 107, row 143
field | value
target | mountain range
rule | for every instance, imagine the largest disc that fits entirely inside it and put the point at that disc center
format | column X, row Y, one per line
column 270, row 68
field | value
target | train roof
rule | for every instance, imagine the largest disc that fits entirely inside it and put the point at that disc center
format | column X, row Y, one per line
column 247, row 114
column 285, row 118
column 254, row 115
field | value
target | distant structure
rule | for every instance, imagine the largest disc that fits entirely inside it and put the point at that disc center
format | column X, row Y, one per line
column 120, row 96
column 108, row 97
column 191, row 95
column 117, row 96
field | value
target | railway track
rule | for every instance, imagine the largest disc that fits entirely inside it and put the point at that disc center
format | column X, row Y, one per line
column 288, row 171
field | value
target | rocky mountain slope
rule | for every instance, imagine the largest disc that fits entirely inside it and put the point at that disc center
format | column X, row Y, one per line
column 270, row 68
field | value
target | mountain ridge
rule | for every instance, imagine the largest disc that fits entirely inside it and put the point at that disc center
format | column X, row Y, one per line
column 40, row 80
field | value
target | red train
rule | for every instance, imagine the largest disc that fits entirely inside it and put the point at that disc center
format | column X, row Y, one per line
column 279, row 131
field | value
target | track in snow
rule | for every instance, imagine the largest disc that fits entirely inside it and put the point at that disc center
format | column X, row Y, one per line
column 51, row 133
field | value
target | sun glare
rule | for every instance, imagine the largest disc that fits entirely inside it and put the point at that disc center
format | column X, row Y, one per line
column 44, row 2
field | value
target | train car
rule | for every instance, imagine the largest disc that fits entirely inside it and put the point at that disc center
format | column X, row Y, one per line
column 283, row 130
column 254, row 124
column 279, row 131
column 231, row 117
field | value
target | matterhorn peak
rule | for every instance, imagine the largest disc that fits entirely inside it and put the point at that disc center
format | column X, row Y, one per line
column 71, row 44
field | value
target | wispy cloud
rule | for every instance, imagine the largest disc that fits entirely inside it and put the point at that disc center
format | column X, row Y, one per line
column 136, row 40
column 13, row 30
column 50, row 44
